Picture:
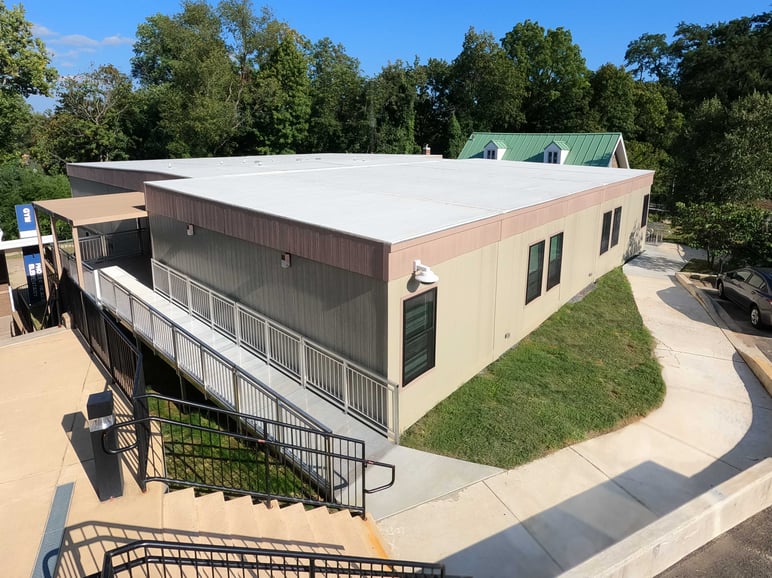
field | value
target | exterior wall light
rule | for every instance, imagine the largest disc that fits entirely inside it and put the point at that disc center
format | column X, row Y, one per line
column 286, row 260
column 190, row 230
column 423, row 273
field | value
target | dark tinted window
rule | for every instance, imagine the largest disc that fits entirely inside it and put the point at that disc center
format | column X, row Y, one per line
column 645, row 213
column 535, row 271
column 615, row 228
column 605, row 232
column 555, row 260
column 419, row 318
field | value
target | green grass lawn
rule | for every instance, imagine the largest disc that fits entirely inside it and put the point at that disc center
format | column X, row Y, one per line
column 587, row 370
column 218, row 458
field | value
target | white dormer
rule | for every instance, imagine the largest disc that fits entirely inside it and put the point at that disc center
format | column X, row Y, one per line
column 494, row 150
column 556, row 152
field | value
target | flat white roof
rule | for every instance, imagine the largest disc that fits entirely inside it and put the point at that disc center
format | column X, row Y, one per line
column 230, row 166
column 387, row 198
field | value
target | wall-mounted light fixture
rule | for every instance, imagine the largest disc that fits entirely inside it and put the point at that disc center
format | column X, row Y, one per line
column 286, row 260
column 190, row 230
column 423, row 273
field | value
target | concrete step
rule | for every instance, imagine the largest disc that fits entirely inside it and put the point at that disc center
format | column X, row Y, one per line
column 271, row 528
column 180, row 519
column 299, row 535
column 242, row 525
column 358, row 538
column 211, row 520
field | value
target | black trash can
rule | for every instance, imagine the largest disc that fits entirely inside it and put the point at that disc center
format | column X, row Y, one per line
column 108, row 477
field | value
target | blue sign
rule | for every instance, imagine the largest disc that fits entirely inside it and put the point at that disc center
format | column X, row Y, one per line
column 33, row 267
column 25, row 217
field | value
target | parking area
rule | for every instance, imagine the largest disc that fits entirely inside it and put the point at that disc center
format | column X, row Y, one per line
column 737, row 319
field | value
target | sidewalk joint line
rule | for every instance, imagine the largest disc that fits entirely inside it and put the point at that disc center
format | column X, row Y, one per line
column 522, row 524
column 613, row 481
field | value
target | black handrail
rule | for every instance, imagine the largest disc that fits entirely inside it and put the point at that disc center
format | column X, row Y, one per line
column 150, row 554
column 333, row 465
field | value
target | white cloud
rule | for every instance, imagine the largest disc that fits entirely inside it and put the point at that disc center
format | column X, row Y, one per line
column 116, row 40
column 67, row 49
column 39, row 30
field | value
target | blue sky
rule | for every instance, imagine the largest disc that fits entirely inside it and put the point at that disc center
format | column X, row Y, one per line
column 83, row 34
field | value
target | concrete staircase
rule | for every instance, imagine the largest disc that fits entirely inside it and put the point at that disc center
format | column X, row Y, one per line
column 211, row 519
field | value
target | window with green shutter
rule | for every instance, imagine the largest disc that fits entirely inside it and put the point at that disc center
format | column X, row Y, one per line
column 419, row 338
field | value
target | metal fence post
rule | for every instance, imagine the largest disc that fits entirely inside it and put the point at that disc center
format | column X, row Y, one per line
column 302, row 361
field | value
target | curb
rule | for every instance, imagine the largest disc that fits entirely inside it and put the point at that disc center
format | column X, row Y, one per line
column 757, row 362
column 661, row 544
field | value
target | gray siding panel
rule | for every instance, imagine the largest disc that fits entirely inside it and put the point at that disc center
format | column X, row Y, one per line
column 315, row 243
column 341, row 310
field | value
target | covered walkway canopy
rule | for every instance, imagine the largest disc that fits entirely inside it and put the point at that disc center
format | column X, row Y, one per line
column 84, row 211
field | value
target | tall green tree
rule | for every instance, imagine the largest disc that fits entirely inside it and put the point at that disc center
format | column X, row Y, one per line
column 613, row 99
column 283, row 99
column 649, row 57
column 88, row 124
column 721, row 156
column 24, row 62
column 727, row 60
column 186, row 55
column 557, row 79
column 486, row 90
column 337, row 121
column 391, row 110
column 16, row 121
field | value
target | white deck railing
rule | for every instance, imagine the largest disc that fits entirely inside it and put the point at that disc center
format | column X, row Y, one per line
column 222, row 379
column 348, row 385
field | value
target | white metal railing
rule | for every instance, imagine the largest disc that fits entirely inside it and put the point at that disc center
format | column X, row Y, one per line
column 220, row 378
column 94, row 248
column 348, row 385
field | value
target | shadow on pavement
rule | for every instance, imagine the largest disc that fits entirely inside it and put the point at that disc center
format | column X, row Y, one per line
column 584, row 525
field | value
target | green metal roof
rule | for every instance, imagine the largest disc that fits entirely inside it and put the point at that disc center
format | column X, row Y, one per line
column 588, row 149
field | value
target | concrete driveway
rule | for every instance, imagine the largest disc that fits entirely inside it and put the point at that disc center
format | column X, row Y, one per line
column 550, row 515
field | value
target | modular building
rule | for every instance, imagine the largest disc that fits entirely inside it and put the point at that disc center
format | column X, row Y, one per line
column 420, row 269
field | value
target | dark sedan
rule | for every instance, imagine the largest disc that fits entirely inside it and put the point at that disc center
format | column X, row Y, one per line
column 751, row 289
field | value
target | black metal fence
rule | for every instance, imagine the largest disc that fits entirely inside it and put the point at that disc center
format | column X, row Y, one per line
column 150, row 558
column 212, row 449
column 115, row 350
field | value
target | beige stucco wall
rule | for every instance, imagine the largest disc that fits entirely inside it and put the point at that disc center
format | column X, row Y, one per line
column 481, row 310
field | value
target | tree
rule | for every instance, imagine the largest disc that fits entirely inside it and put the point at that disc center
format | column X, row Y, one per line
column 726, row 60
column 557, row 86
column 88, row 122
column 391, row 102
column 16, row 121
column 485, row 89
column 337, row 120
column 719, row 156
column 729, row 233
column 650, row 57
column 20, row 183
column 24, row 61
column 186, row 57
column 283, row 100
column 613, row 99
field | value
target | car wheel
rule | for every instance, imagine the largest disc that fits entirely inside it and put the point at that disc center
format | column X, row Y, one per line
column 720, row 287
column 755, row 316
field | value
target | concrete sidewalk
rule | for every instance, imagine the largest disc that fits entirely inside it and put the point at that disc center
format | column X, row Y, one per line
column 551, row 515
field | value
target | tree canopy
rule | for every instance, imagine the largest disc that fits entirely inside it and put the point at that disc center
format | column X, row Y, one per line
column 24, row 61
column 225, row 78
